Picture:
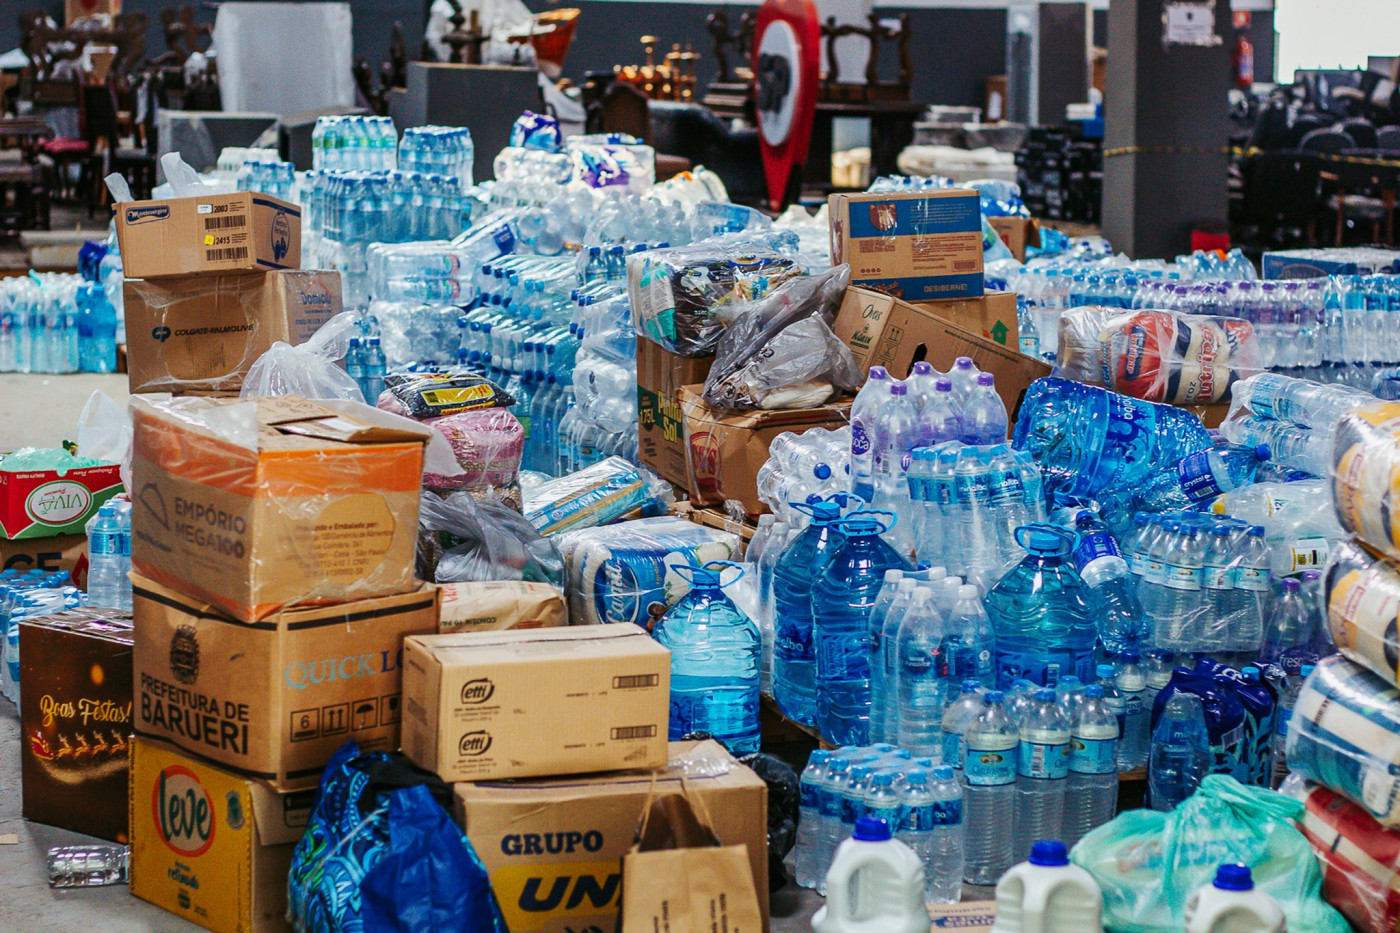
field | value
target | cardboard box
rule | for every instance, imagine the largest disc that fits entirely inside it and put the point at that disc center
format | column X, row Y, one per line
column 553, row 848
column 725, row 449
column 488, row 705
column 916, row 245
column 240, row 232
column 208, row 845
column 44, row 503
column 1017, row 233
column 1317, row 263
column 201, row 333
column 993, row 316
column 75, row 716
column 255, row 504
column 966, row 917
column 273, row 700
column 660, row 426
column 500, row 605
column 884, row 331
column 60, row 552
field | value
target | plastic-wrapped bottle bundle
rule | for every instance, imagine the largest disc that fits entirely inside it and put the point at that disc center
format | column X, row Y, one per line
column 438, row 150
column 813, row 463
column 23, row 596
column 271, row 177
column 40, row 324
column 353, row 143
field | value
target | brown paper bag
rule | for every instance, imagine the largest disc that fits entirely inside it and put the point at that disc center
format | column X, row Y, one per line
column 679, row 878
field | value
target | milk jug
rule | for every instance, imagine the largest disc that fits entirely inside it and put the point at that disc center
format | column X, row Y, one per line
column 875, row 885
column 1048, row 895
column 1233, row 905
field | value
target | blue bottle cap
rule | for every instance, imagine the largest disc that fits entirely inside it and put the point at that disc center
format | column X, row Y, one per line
column 1045, row 696
column 1262, row 452
column 994, row 696
column 1129, row 657
column 1234, row 878
column 1050, row 853
column 1093, row 692
column 943, row 772
column 873, row 829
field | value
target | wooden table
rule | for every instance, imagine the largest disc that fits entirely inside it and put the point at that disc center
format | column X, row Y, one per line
column 891, row 130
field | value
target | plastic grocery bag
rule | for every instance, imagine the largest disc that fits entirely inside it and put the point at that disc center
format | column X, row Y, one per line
column 104, row 433
column 465, row 540
column 1148, row 863
column 381, row 854
column 310, row 369
column 780, row 351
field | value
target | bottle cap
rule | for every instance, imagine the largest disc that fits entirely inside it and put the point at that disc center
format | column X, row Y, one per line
column 943, row 385
column 1104, row 670
column 1262, row 452
column 878, row 372
column 872, row 829
column 1291, row 586
column 971, row 686
column 963, row 362
column 943, row 772
column 894, row 576
column 923, row 368
column 917, row 776
column 899, row 388
column 994, row 696
column 986, row 379
column 1050, row 853
column 1045, row 696
column 1307, row 669
column 1234, row 878
column 968, row 591
column 1094, row 692
column 1129, row 657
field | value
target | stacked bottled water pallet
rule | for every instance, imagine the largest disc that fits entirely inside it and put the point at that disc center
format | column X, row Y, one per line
column 52, row 323
column 268, row 176
column 438, row 150
column 353, row 143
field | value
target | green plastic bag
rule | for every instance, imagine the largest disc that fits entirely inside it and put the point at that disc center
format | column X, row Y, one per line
column 1148, row 863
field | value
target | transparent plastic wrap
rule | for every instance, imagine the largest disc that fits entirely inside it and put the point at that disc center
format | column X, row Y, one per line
column 1366, row 476
column 1299, row 402
column 486, row 442
column 780, row 351
column 1363, row 599
column 465, row 540
column 1299, row 521
column 621, row 572
column 678, row 293
column 1360, row 859
column 597, row 495
column 418, row 333
column 1148, row 863
column 1159, row 356
column 309, row 370
column 619, row 166
column 1345, row 734
column 1290, row 446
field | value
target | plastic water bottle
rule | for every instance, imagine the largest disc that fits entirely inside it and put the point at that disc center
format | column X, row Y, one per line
column 957, row 719
column 882, row 800
column 1291, row 638
column 884, row 656
column 715, row 652
column 896, row 434
column 1254, row 586
column 1040, row 613
column 1042, row 767
column 918, row 822
column 832, row 798
column 941, row 415
column 1231, row 904
column 1180, row 757
column 919, row 688
column 944, row 867
column 1131, row 681
column 1113, row 595
column 794, row 652
column 963, row 376
column 807, row 849
column 868, row 401
column 123, row 507
column 878, row 683
column 989, row 779
column 1203, row 475
column 984, row 419
column 844, row 593
column 105, row 559
column 766, row 568
column 876, row 885
column 969, row 644
column 1046, row 894
column 1069, row 696
column 1157, row 667
column 355, row 367
column 1182, row 592
column 1091, row 790
column 1278, row 759
column 87, row 866
column 922, row 379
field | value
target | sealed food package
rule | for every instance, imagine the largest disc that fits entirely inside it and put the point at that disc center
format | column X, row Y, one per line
column 1159, row 356
column 1148, row 863
column 461, row 539
column 438, row 394
column 500, row 605
column 622, row 572
column 310, row 370
column 597, row 495
column 1345, row 733
column 678, row 293
column 487, row 442
column 780, row 352
column 1360, row 859
column 1077, row 343
column 1366, row 475
column 1363, row 600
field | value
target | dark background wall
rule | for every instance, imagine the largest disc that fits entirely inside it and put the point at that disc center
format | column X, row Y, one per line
column 954, row 50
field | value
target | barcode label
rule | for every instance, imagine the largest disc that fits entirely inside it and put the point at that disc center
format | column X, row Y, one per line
column 633, row 681
column 223, row 255
column 964, row 265
column 623, row 733
column 224, row 222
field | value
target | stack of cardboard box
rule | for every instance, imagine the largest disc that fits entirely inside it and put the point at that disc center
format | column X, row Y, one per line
column 211, row 283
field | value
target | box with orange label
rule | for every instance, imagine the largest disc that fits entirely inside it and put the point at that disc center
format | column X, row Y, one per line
column 255, row 504
column 209, row 846
column 275, row 699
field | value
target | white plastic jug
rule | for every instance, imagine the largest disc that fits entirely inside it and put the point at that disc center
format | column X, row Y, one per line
column 1048, row 895
column 1233, row 905
column 875, row 885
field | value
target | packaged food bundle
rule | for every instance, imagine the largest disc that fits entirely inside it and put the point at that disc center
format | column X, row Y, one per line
column 1363, row 598
column 470, row 413
column 1160, row 356
column 500, row 605
column 622, row 573
column 465, row 539
column 677, row 293
column 597, row 495
column 436, row 395
column 1360, row 859
column 1366, row 475
column 1345, row 734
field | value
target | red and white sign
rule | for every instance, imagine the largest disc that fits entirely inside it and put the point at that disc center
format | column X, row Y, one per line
column 786, row 68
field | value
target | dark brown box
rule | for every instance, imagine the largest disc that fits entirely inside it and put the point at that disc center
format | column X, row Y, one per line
column 75, row 715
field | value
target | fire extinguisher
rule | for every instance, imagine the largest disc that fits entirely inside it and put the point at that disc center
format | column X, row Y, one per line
column 1242, row 61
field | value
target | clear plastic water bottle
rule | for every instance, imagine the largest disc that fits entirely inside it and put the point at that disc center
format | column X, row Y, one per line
column 879, row 685
column 794, row 652
column 105, row 559
column 1180, row 757
column 1176, row 625
column 1069, row 696
column 920, row 817
column 1278, row 759
column 1291, row 637
column 1157, row 667
column 832, row 799
column 984, row 419
column 922, row 379
column 1042, row 768
column 957, row 719
column 868, row 401
column 1254, row 586
column 844, row 593
column 941, row 415
column 1131, row 681
column 1113, row 595
column 963, row 376
column 766, row 568
column 890, row 716
column 1203, row 475
column 969, row 645
column 896, row 435
column 815, row 781
column 715, row 654
column 919, row 689
column 123, row 507
column 1091, row 790
column 943, row 871
column 88, row 866
column 883, row 800
column 355, row 366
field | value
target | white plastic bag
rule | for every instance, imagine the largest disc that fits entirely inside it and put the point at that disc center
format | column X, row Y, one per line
column 308, row 370
column 104, row 433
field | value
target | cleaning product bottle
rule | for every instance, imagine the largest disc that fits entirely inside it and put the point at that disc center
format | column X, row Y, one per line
column 1233, row 905
column 1048, row 895
column 875, row 885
